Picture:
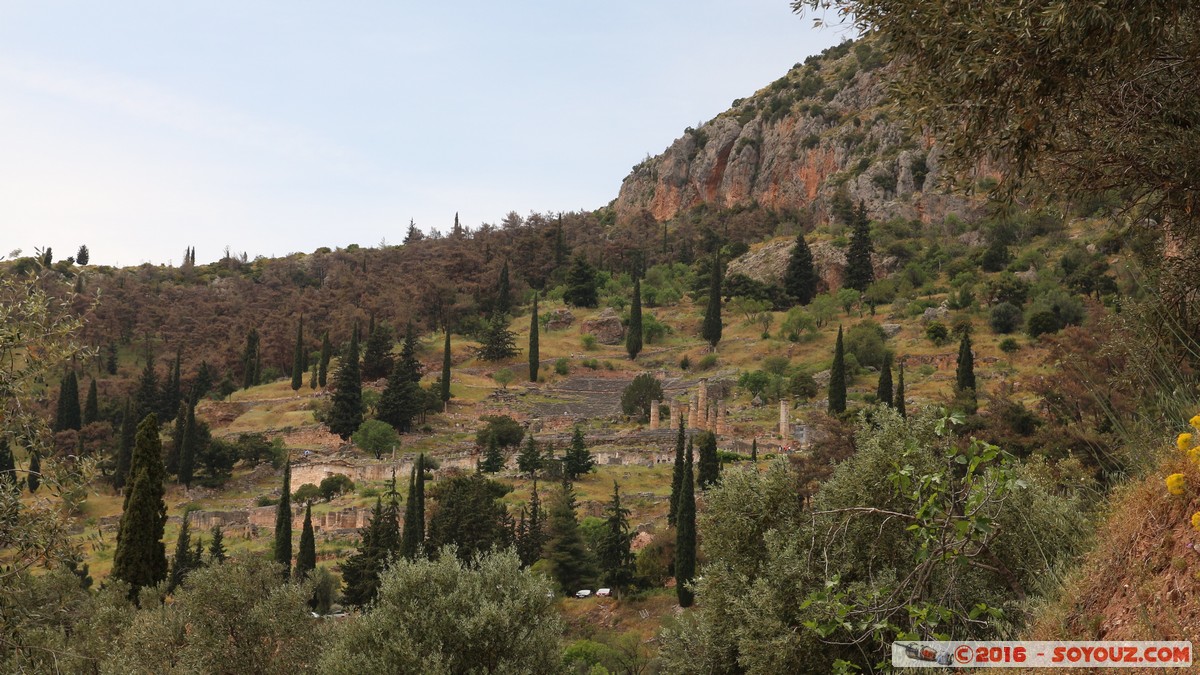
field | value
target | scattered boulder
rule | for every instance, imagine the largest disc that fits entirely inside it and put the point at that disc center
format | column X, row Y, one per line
column 890, row 330
column 606, row 327
column 935, row 314
column 822, row 378
column 560, row 318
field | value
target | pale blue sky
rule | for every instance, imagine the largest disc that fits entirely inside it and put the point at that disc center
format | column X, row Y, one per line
column 141, row 128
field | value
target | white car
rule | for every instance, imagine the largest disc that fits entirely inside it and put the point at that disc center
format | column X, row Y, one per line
column 604, row 593
column 583, row 594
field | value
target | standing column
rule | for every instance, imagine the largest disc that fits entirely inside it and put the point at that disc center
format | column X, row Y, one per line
column 712, row 418
column 691, row 424
column 785, row 423
column 654, row 414
column 702, row 402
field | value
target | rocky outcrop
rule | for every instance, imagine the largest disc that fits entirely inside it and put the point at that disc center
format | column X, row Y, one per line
column 560, row 318
column 606, row 326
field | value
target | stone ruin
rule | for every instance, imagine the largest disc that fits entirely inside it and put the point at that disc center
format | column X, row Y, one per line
column 701, row 413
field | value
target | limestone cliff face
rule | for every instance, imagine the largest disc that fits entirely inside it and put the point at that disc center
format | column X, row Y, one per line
column 823, row 131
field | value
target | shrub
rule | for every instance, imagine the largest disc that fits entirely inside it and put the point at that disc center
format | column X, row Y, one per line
column 265, row 500
column 1005, row 318
column 776, row 365
column 1009, row 345
column 865, row 341
column 1041, row 323
column 334, row 485
column 562, row 366
column 708, row 361
column 653, row 330
column 685, row 363
column 505, row 430
column 589, row 341
column 306, row 493
column 937, row 333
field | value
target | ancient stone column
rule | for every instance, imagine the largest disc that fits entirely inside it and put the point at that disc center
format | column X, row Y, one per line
column 692, row 412
column 654, row 414
column 785, row 423
column 702, row 402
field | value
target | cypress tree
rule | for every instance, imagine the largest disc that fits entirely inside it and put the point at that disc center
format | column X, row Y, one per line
column 493, row 459
column 8, row 465
column 710, row 330
column 446, row 368
column 503, row 292
column 380, row 538
column 884, row 391
column 837, row 378
column 91, row 409
column 306, row 558
column 565, row 552
column 964, row 374
column 754, row 450
column 125, row 448
column 899, row 400
column 82, row 256
column 530, row 546
column 615, row 556
column 169, row 401
column 203, row 382
column 676, row 474
column 110, row 360
column 708, row 472
column 177, row 436
column 402, row 399
column 346, row 413
column 299, row 359
column 859, row 272
column 409, row 362
column 181, row 563
column 534, row 356
column 69, row 415
column 34, row 481
column 578, row 459
column 800, row 279
column 187, row 453
column 326, row 353
column 283, row 523
column 216, row 548
column 529, row 460
column 250, row 360
column 685, row 536
column 413, row 535
column 141, row 558
column 633, row 338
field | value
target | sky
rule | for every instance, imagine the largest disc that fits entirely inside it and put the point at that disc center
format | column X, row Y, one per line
column 143, row 128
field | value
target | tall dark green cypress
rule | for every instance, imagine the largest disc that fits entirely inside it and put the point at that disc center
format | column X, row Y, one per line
column 141, row 558
column 503, row 291
column 493, row 459
column 68, row 415
column 216, row 549
column 8, row 464
column 859, row 272
column 685, row 537
column 964, row 375
column 837, row 378
column 565, row 551
column 181, row 563
column 346, row 413
column 283, row 523
column 754, row 450
column 884, row 391
column 250, row 360
column 412, row 537
column 708, row 472
column 446, row 368
column 34, row 480
column 171, row 391
column 615, row 556
column 633, row 338
column 306, row 557
column 899, row 400
column 299, row 358
column 326, row 354
column 125, row 447
column 710, row 330
column 677, row 473
column 187, row 452
column 91, row 409
column 177, row 436
column 800, row 279
column 534, row 356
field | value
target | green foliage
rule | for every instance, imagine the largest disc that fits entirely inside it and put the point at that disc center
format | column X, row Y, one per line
column 323, row 365
column 633, row 335
column 685, row 535
column 445, row 380
column 376, row 437
column 529, row 460
column 377, row 359
column 1009, row 345
column 964, row 375
column 250, row 361
column 299, row 358
column 334, row 485
column 1004, row 318
column 865, row 340
column 562, row 366
column 534, row 354
column 677, row 473
column 283, row 523
column 469, row 515
column 640, row 395
column 68, row 415
column 710, row 328
column 506, row 431
column 884, row 390
column 937, row 333
column 306, row 557
column 307, row 494
column 568, row 560
column 800, row 278
column 379, row 542
column 493, row 460
column 448, row 615
column 412, row 542
column 707, row 362
column 859, row 271
column 1042, row 323
column 578, row 459
column 346, row 415
column 708, row 469
column 837, row 378
column 581, row 284
column 497, row 342
column 141, row 559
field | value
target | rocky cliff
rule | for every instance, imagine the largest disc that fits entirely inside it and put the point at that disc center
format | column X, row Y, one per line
column 821, row 135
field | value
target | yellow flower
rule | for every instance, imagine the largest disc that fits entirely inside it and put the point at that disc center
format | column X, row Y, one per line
column 1194, row 455
column 1195, row 422
column 1184, row 441
column 1176, row 483
column 1196, row 520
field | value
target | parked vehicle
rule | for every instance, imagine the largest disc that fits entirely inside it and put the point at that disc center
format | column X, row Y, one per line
column 583, row 593
column 604, row 593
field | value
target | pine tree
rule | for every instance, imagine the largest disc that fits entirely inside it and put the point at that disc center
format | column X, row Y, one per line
column 125, row 448
column 685, row 536
column 181, row 563
column 445, row 393
column 250, row 360
column 837, row 378
column 326, row 353
column 377, row 357
column 581, row 284
column 964, row 375
column 299, row 358
column 402, row 399
column 859, row 272
column 177, row 436
column 202, row 384
column 754, row 450
column 34, row 480
column 578, row 459
column 413, row 537
column 533, row 538
column 899, row 399
column 800, row 279
column 410, row 364
column 493, row 459
column 141, row 558
column 529, row 460
column 68, row 415
column 187, row 453
column 534, row 355
column 306, row 557
column 633, row 337
column 379, row 539
column 216, row 548
column 171, row 391
column 283, row 523
column 91, row 409
column 82, row 256
column 615, row 556
column 565, row 552
column 503, row 292
column 710, row 330
column 708, row 471
column 884, row 391
column 677, row 473
column 8, row 464
column 497, row 342
column 346, row 413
